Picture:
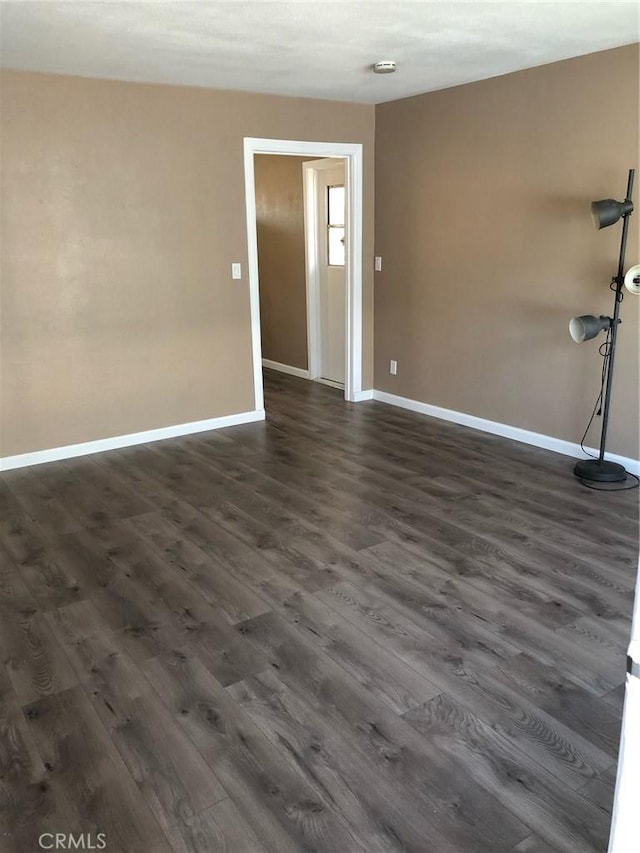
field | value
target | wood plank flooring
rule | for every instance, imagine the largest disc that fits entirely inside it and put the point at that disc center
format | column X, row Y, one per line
column 350, row 629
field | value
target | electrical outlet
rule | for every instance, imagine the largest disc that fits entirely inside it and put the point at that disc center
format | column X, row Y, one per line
column 377, row 264
column 393, row 367
column 236, row 271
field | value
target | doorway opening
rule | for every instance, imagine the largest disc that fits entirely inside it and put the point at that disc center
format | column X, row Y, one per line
column 333, row 248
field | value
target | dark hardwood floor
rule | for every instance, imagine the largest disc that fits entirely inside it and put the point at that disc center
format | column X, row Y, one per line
column 351, row 628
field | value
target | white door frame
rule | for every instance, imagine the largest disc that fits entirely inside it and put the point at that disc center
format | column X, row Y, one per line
column 624, row 820
column 310, row 173
column 352, row 154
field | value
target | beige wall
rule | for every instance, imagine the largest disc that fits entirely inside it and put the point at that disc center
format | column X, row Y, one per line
column 123, row 207
column 281, row 258
column 482, row 220
column 122, row 210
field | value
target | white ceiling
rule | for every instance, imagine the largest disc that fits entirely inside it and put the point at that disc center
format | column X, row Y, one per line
column 308, row 48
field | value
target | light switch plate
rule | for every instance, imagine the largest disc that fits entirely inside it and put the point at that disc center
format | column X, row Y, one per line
column 378, row 263
column 236, row 271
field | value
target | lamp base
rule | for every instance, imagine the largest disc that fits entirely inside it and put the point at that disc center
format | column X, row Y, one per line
column 600, row 472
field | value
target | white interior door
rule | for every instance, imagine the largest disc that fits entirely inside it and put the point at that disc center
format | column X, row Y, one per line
column 330, row 217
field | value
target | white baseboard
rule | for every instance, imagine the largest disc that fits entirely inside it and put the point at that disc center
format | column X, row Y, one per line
column 359, row 396
column 70, row 451
column 329, row 383
column 548, row 442
column 285, row 368
column 38, row 457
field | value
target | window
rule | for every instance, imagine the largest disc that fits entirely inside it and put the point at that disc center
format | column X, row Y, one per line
column 335, row 226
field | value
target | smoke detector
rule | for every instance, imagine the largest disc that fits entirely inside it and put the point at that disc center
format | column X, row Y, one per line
column 385, row 66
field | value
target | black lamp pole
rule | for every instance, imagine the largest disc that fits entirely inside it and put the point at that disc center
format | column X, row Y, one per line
column 599, row 469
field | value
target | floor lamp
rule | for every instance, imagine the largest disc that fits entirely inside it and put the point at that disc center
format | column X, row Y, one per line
column 606, row 212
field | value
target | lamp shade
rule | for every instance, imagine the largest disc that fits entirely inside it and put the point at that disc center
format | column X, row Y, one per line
column 632, row 280
column 587, row 326
column 607, row 211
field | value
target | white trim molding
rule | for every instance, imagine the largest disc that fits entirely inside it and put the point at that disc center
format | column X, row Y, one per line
column 352, row 152
column 624, row 820
column 548, row 442
column 363, row 395
column 312, row 283
column 285, row 368
column 330, row 383
column 624, row 829
column 69, row 451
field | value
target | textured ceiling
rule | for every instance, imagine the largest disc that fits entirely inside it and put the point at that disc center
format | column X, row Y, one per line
column 302, row 47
